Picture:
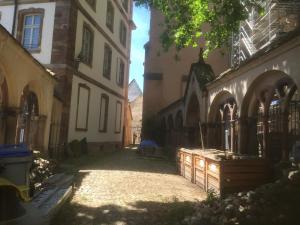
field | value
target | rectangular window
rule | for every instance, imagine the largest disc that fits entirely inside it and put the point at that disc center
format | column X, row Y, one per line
column 87, row 45
column 120, row 72
column 107, row 61
column 125, row 4
column 32, row 31
column 83, row 101
column 110, row 13
column 118, row 117
column 123, row 33
column 92, row 3
column 103, row 113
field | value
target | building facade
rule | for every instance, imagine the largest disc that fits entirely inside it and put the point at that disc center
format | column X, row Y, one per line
column 26, row 96
column 87, row 44
column 253, row 107
column 166, row 72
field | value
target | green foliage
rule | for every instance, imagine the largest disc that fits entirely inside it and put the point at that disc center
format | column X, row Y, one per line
column 186, row 20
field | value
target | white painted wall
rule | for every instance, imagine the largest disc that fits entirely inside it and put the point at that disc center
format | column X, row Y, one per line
column 93, row 134
column 44, row 56
column 95, row 71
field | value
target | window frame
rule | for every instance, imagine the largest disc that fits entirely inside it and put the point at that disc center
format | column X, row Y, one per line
column 121, row 110
column 21, row 25
column 123, row 34
column 107, row 74
column 92, row 4
column 108, row 25
column 120, row 82
column 82, row 85
column 125, row 4
column 91, row 50
column 106, row 97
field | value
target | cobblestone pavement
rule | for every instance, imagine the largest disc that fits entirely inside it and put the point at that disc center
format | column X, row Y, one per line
column 126, row 189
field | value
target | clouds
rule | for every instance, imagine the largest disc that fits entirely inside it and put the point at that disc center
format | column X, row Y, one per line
column 141, row 17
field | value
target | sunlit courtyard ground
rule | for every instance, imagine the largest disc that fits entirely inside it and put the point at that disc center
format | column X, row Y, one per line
column 123, row 188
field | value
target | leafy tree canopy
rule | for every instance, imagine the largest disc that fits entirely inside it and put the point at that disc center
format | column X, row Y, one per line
column 184, row 20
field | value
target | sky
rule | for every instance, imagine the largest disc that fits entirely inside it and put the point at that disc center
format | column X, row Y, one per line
column 140, row 36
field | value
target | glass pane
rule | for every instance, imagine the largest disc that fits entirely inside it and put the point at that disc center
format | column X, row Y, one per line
column 28, row 20
column 35, row 37
column 26, row 37
column 37, row 20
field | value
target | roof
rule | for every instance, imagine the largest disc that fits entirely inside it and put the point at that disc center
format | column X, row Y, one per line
column 134, row 91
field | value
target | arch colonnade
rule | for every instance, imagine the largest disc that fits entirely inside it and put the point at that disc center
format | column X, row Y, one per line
column 26, row 96
column 253, row 110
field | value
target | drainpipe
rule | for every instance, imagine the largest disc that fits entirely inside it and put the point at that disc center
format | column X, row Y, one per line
column 15, row 18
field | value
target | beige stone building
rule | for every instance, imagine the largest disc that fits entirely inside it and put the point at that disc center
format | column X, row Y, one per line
column 87, row 44
column 26, row 96
column 253, row 107
column 166, row 75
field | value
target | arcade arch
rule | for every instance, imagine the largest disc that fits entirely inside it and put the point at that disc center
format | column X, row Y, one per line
column 270, row 113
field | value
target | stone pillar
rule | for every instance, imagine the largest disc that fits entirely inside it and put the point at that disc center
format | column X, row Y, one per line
column 232, row 136
column 285, row 133
column 40, row 136
column 3, row 118
column 223, row 135
column 11, row 136
column 266, row 153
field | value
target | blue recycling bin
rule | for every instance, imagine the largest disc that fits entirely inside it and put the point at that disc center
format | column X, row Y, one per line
column 15, row 163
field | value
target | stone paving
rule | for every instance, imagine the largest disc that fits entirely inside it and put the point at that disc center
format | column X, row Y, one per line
column 126, row 189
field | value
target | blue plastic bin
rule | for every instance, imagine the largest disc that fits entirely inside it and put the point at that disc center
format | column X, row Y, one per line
column 15, row 163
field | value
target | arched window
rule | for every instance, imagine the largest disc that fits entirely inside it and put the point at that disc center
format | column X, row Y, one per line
column 110, row 14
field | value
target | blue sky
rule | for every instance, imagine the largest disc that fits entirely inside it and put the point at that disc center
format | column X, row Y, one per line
column 141, row 17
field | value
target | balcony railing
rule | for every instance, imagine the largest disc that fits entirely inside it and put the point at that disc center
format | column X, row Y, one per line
column 257, row 32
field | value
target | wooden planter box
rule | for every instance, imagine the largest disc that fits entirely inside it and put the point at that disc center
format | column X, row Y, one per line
column 180, row 162
column 223, row 176
column 199, row 171
column 229, row 176
column 188, row 166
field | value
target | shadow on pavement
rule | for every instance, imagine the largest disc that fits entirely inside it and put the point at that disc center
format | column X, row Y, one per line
column 129, row 160
column 139, row 213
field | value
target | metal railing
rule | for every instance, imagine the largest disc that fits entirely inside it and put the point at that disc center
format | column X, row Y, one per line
column 257, row 32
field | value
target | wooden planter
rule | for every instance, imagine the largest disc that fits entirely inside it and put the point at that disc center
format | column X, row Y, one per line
column 188, row 166
column 180, row 162
column 211, row 172
column 229, row 176
column 199, row 171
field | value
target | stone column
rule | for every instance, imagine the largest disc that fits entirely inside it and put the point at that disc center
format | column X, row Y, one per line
column 232, row 136
column 285, row 131
column 223, row 135
column 12, row 116
column 266, row 153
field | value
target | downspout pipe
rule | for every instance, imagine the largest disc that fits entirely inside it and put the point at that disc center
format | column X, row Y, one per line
column 15, row 18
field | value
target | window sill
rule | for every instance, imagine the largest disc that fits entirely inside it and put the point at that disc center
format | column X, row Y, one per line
column 107, row 77
column 36, row 50
column 81, row 129
column 87, row 64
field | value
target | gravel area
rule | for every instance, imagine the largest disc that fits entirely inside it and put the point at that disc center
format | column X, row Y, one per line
column 126, row 189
